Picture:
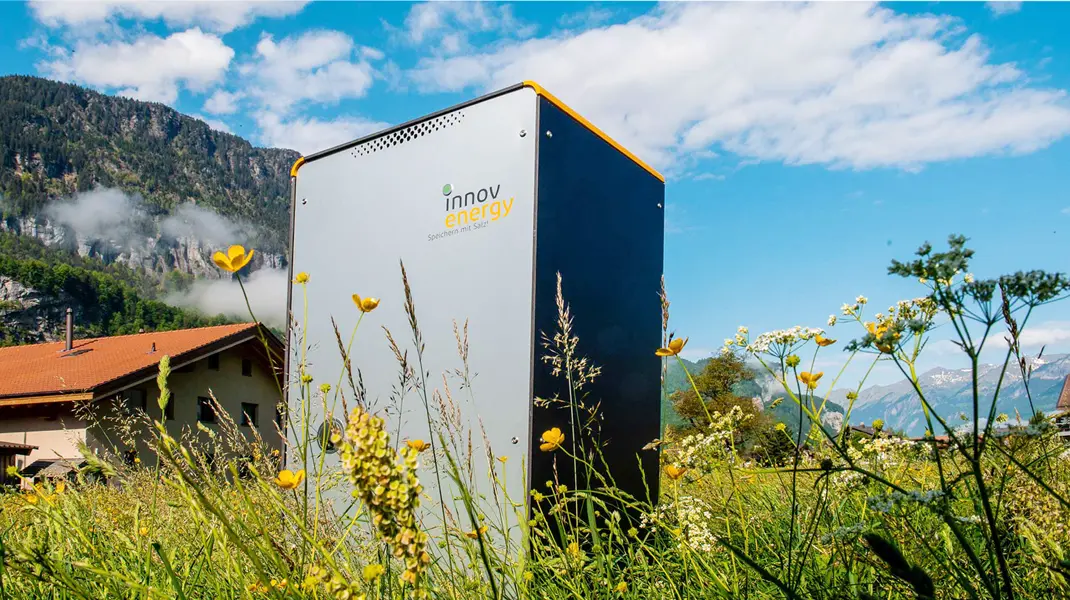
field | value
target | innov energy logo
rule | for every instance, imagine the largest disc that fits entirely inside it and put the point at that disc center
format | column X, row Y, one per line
column 475, row 207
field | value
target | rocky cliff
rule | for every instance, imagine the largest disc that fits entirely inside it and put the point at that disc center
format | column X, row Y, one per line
column 105, row 182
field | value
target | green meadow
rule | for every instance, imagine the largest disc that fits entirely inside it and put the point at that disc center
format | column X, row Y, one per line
column 750, row 506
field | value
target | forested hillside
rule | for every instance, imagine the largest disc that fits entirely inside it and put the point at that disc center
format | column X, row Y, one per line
column 57, row 139
column 38, row 283
column 107, row 204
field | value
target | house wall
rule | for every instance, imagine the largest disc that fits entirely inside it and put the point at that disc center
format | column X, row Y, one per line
column 230, row 387
column 56, row 430
column 53, row 428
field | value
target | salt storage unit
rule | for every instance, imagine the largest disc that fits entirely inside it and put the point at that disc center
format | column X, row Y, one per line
column 485, row 203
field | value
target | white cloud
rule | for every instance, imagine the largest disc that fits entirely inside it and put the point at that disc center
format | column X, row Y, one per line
column 1066, row 211
column 1004, row 8
column 586, row 18
column 316, row 66
column 149, row 68
column 852, row 85
column 450, row 24
column 708, row 177
column 320, row 67
column 266, row 289
column 221, row 16
column 1052, row 333
column 222, row 102
column 307, row 135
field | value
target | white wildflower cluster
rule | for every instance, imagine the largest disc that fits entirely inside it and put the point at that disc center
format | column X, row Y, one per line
column 847, row 481
column 886, row 502
column 688, row 517
column 885, row 451
column 918, row 308
column 698, row 450
column 844, row 533
column 832, row 320
column 854, row 309
column 775, row 342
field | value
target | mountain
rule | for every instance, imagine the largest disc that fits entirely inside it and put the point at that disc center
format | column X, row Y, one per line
column 950, row 392
column 183, row 181
column 111, row 205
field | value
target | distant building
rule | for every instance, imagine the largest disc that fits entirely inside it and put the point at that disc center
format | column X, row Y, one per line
column 1062, row 410
column 47, row 391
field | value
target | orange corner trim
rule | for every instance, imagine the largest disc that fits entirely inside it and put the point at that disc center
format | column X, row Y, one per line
column 541, row 91
column 297, row 165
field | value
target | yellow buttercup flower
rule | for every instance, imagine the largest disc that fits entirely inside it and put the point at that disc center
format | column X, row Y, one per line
column 365, row 304
column 551, row 440
column 418, row 445
column 674, row 347
column 61, row 487
column 289, row 480
column 31, row 499
column 674, row 471
column 502, row 459
column 234, row 260
column 475, row 534
column 302, row 277
column 144, row 531
column 823, row 341
column 810, row 379
column 372, row 572
column 622, row 587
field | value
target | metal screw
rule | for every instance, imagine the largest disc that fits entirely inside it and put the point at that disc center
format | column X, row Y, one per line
column 523, row 133
column 515, row 441
column 549, row 134
column 304, row 201
column 659, row 204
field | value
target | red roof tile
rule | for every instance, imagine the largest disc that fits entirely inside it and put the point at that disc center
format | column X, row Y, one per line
column 44, row 369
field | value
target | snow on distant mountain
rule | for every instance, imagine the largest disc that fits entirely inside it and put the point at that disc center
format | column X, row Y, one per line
column 950, row 392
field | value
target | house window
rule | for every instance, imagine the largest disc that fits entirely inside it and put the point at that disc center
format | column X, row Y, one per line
column 186, row 368
column 205, row 410
column 246, row 367
column 133, row 401
column 213, row 362
column 169, row 410
column 248, row 414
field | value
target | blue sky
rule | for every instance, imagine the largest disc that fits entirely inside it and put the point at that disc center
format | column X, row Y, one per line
column 805, row 146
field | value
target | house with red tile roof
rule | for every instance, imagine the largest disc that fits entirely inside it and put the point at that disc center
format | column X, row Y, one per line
column 56, row 396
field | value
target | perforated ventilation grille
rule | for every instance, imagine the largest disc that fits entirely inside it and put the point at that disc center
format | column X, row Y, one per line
column 409, row 133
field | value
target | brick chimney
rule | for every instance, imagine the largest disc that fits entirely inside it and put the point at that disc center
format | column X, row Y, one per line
column 70, row 331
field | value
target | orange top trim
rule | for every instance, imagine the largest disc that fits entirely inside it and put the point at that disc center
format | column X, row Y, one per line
column 541, row 91
column 297, row 165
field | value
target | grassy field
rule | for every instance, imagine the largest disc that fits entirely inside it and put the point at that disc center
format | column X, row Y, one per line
column 984, row 514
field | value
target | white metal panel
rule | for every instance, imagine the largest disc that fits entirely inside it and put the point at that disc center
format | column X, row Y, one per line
column 361, row 210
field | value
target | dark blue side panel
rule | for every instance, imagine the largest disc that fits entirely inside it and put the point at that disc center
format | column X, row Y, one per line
column 600, row 223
